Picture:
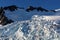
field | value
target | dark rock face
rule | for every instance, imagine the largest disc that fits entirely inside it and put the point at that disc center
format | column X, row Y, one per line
column 42, row 9
column 11, row 8
column 3, row 19
column 30, row 8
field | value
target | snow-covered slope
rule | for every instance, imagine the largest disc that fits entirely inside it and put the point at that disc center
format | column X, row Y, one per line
column 20, row 15
column 37, row 28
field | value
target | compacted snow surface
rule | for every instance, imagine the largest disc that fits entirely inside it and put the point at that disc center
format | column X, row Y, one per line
column 37, row 28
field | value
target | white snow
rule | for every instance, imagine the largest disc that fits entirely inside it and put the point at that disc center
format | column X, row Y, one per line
column 37, row 28
column 57, row 9
column 52, row 17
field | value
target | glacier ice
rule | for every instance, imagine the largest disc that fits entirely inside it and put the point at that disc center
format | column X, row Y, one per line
column 37, row 28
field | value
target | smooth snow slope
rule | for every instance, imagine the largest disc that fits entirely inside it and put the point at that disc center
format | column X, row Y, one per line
column 21, row 15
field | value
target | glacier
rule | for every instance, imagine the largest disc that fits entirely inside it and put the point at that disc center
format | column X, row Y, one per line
column 37, row 28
